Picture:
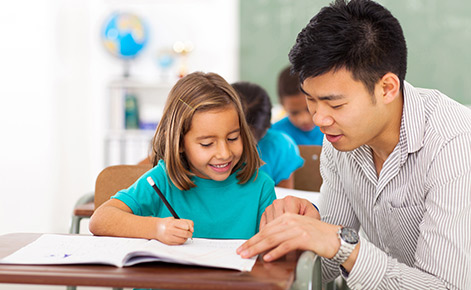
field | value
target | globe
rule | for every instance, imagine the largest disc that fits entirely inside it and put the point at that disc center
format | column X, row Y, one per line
column 124, row 35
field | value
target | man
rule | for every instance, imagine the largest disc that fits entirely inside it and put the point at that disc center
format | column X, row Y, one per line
column 397, row 162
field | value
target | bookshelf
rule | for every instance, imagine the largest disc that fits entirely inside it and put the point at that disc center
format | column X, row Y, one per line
column 134, row 110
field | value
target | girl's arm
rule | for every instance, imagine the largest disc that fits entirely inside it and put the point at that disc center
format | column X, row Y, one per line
column 115, row 218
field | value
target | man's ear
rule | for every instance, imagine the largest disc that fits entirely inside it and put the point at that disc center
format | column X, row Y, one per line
column 391, row 87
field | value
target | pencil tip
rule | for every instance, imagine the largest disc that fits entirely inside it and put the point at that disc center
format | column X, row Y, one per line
column 151, row 181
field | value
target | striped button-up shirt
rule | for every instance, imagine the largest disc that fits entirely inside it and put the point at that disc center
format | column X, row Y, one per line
column 416, row 215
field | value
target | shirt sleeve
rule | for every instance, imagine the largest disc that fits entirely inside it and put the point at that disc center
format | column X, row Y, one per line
column 443, row 255
column 334, row 205
column 140, row 197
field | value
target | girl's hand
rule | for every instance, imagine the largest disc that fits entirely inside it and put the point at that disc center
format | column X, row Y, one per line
column 173, row 231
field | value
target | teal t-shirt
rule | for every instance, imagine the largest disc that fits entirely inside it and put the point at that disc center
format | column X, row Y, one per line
column 219, row 209
column 280, row 154
column 312, row 137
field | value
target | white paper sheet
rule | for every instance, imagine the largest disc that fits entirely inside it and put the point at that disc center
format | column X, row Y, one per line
column 67, row 249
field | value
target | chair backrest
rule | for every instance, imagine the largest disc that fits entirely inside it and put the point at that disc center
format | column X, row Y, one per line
column 309, row 177
column 114, row 178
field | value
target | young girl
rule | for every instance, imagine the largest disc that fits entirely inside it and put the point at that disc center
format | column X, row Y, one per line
column 206, row 165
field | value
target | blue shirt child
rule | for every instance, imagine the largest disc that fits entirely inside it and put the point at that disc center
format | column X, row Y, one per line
column 312, row 137
column 280, row 154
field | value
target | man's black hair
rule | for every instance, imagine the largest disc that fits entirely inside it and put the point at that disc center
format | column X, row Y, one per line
column 360, row 36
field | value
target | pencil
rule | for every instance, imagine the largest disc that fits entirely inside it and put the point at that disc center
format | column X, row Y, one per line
column 162, row 197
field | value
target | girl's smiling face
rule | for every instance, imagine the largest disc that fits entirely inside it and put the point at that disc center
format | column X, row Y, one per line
column 213, row 145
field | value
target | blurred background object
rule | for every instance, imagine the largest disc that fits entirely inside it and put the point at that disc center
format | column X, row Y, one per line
column 124, row 35
column 165, row 59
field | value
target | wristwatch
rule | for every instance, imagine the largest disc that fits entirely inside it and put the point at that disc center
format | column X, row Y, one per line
column 348, row 239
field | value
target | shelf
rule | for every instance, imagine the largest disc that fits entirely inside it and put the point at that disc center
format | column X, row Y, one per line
column 129, row 146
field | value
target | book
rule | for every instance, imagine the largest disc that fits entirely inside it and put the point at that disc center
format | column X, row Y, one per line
column 53, row 249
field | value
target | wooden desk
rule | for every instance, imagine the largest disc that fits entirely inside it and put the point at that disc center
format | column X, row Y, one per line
column 275, row 275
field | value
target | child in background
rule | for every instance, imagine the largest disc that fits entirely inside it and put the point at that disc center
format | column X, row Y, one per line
column 277, row 150
column 205, row 163
column 298, row 124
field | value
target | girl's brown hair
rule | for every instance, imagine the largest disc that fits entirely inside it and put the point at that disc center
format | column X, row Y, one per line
column 198, row 92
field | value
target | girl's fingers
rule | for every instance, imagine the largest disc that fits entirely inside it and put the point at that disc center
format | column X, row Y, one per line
column 183, row 229
column 184, row 234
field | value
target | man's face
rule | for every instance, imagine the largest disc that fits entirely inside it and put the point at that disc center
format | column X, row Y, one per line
column 345, row 111
column 298, row 113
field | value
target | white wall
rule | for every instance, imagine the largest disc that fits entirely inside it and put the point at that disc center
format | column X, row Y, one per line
column 53, row 78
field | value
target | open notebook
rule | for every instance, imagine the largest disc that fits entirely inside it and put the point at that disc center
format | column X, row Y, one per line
column 52, row 249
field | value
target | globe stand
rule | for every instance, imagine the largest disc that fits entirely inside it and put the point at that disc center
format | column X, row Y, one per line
column 126, row 68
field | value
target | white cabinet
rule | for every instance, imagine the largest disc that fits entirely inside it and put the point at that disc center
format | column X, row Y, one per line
column 134, row 110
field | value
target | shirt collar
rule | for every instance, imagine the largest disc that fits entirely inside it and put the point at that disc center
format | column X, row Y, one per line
column 413, row 119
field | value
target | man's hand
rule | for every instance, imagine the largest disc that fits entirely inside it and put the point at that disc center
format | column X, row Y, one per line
column 289, row 204
column 292, row 232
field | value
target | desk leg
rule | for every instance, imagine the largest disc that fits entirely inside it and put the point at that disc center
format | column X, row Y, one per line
column 308, row 272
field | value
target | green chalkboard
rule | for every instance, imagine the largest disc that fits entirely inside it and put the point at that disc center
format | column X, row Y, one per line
column 438, row 35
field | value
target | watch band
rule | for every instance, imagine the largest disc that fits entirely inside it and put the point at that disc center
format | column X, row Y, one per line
column 346, row 247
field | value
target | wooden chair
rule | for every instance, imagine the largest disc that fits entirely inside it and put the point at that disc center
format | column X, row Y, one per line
column 109, row 181
column 114, row 178
column 309, row 177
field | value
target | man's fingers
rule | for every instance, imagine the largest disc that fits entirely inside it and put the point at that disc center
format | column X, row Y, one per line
column 288, row 204
column 281, row 250
column 277, row 242
column 292, row 205
column 260, row 243
column 311, row 211
column 252, row 241
column 263, row 221
column 275, row 210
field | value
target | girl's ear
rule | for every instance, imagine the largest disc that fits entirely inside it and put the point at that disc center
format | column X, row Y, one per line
column 390, row 86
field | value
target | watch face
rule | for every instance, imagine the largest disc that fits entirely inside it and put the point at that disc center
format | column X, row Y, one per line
column 349, row 235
